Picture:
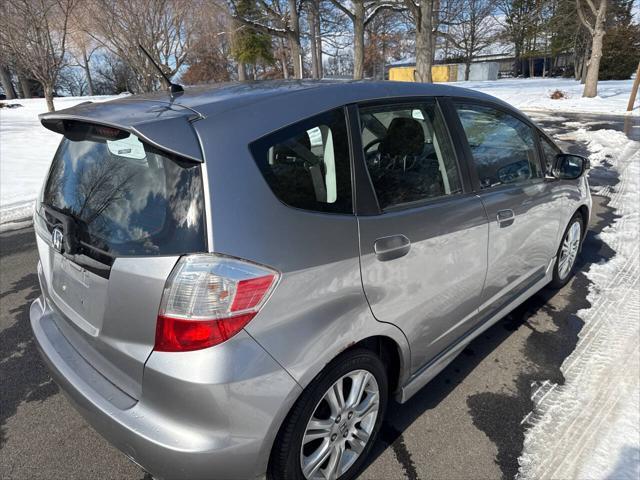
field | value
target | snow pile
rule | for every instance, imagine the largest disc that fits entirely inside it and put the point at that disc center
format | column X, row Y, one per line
column 26, row 150
column 535, row 93
column 590, row 426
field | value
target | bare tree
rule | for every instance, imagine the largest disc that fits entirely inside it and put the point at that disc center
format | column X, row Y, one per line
column 315, row 39
column 82, row 46
column 5, row 78
column 209, row 56
column 160, row 26
column 423, row 13
column 280, row 19
column 473, row 30
column 74, row 81
column 386, row 39
column 594, row 21
column 361, row 12
column 35, row 32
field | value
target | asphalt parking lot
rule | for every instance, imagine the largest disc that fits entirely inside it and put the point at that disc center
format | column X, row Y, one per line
column 464, row 424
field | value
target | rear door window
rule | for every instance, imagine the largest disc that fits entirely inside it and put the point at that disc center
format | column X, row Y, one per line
column 307, row 165
column 408, row 154
column 503, row 147
column 126, row 197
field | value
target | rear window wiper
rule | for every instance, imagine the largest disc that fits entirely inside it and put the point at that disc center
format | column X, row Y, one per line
column 70, row 228
column 74, row 248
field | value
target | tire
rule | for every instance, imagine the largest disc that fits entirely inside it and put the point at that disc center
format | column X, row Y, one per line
column 337, row 433
column 570, row 246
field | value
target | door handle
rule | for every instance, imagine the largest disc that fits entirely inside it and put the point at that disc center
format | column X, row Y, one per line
column 392, row 247
column 505, row 217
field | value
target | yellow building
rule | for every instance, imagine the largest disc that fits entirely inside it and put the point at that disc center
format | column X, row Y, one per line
column 439, row 73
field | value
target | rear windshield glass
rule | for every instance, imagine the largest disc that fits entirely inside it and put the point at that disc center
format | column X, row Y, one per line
column 127, row 198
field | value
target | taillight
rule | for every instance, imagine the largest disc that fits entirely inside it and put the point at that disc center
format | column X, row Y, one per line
column 208, row 299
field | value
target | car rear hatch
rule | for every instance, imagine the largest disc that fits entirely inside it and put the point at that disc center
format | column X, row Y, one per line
column 115, row 214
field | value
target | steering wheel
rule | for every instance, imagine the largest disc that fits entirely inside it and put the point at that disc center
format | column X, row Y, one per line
column 373, row 142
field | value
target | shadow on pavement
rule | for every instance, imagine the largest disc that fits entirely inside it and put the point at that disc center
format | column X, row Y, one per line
column 24, row 376
column 499, row 415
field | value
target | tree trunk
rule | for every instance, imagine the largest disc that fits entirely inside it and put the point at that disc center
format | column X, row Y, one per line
column 424, row 42
column 532, row 67
column 24, row 86
column 48, row 95
column 516, row 60
column 577, row 66
column 293, row 36
column 283, row 62
column 583, row 72
column 313, row 40
column 358, row 40
column 467, row 69
column 318, row 39
column 87, row 72
column 242, row 72
column 296, row 54
column 593, row 68
column 7, row 84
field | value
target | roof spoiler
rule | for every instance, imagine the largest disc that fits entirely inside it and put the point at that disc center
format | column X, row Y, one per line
column 173, row 134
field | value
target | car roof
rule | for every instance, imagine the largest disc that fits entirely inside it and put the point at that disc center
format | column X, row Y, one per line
column 163, row 119
column 215, row 98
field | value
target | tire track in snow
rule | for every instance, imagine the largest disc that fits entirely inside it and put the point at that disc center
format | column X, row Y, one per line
column 574, row 429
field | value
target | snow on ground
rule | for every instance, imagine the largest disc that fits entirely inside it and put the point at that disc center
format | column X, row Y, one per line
column 26, row 150
column 589, row 427
column 535, row 94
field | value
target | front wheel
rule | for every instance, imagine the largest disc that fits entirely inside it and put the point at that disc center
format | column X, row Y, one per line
column 333, row 425
column 568, row 252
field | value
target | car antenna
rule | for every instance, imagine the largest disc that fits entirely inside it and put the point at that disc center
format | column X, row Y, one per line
column 173, row 87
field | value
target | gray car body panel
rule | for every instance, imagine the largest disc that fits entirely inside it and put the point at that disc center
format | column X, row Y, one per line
column 216, row 412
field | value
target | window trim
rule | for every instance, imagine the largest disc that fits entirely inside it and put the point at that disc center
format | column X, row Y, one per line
column 294, row 125
column 366, row 196
column 468, row 155
column 540, row 137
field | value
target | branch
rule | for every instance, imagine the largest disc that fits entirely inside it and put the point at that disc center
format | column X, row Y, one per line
column 396, row 7
column 592, row 7
column 583, row 19
column 278, row 32
column 344, row 9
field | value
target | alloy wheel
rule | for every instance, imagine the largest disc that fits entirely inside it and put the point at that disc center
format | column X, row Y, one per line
column 340, row 427
column 569, row 250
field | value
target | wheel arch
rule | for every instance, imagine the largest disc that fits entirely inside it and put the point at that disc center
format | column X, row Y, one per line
column 584, row 212
column 385, row 347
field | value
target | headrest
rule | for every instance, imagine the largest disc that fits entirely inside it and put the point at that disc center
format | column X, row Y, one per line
column 404, row 137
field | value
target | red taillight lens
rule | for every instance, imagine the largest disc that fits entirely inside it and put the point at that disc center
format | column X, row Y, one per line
column 208, row 299
column 178, row 335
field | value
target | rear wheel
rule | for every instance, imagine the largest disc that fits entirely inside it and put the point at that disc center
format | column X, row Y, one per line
column 332, row 427
column 568, row 252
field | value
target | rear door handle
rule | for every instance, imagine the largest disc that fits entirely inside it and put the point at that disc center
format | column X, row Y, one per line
column 505, row 217
column 392, row 247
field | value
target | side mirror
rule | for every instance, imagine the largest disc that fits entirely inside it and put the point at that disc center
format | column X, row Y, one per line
column 569, row 166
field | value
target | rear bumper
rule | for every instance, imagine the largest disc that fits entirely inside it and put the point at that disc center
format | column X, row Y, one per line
column 208, row 414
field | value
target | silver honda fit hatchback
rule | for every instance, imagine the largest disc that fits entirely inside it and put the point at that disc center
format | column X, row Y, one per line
column 236, row 280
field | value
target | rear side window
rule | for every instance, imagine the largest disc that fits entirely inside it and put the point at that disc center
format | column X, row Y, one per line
column 126, row 197
column 307, row 165
column 408, row 153
column 503, row 147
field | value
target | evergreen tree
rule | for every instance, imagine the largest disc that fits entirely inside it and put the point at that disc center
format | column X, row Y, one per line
column 249, row 46
column 621, row 49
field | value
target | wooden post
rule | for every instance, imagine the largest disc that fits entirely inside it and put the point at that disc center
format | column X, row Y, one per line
column 634, row 90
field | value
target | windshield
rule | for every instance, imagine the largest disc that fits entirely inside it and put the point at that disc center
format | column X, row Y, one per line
column 126, row 197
